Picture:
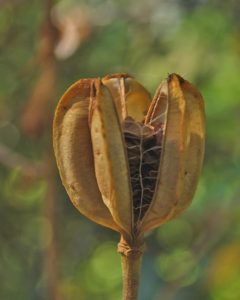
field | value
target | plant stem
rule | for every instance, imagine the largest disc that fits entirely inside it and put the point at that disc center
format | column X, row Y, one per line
column 131, row 273
column 131, row 266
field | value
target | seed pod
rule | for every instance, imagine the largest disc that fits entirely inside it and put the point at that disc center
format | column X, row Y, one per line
column 183, row 149
column 127, row 162
column 73, row 151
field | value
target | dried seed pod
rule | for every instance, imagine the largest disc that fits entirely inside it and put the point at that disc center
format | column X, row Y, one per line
column 126, row 162
column 73, row 151
column 109, row 157
column 183, row 149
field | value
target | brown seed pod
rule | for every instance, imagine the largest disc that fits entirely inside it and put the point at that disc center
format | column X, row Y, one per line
column 127, row 162
column 73, row 150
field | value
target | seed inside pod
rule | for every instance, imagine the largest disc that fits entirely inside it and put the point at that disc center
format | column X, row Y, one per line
column 126, row 155
column 143, row 151
column 143, row 143
column 142, row 137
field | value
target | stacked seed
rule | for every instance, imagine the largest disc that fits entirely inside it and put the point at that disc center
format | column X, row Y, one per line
column 143, row 157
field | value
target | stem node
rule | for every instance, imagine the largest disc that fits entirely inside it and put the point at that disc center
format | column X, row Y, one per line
column 131, row 252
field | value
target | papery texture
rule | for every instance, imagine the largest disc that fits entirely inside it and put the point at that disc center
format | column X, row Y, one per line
column 73, row 150
column 126, row 162
column 183, row 148
column 110, row 159
column 130, row 97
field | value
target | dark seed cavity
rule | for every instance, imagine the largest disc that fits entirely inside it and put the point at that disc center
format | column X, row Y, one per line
column 143, row 150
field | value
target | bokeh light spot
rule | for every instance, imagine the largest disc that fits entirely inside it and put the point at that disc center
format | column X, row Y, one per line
column 176, row 233
column 177, row 266
column 104, row 270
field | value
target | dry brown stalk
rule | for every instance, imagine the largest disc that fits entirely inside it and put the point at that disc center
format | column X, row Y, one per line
column 129, row 163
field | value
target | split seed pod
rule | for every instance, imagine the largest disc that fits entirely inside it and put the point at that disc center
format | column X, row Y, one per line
column 128, row 162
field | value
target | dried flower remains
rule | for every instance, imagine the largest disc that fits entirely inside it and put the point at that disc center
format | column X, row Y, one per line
column 129, row 162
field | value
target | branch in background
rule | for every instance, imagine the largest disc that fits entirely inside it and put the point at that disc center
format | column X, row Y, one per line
column 37, row 111
column 13, row 160
column 35, row 121
column 50, row 258
column 61, row 33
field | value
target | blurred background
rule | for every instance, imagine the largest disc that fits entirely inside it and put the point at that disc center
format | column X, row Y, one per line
column 48, row 251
